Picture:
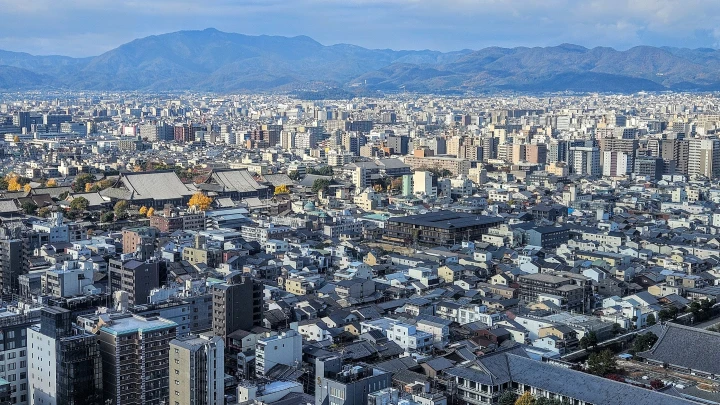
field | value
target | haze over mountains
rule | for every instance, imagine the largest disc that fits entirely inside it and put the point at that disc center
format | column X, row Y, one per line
column 212, row 60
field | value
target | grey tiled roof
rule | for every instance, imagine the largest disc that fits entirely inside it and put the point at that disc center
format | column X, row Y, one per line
column 686, row 347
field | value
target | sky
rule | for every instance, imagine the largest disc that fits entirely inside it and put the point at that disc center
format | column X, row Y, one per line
column 90, row 27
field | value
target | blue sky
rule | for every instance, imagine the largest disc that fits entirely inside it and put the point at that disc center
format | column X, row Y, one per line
column 91, row 27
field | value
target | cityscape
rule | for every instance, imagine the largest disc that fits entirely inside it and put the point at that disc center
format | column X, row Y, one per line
column 206, row 218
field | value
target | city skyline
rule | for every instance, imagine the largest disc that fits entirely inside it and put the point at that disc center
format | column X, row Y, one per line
column 82, row 29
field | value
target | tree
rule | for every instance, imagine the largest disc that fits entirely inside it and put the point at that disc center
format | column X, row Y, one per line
column 282, row 189
column 88, row 187
column 650, row 320
column 584, row 343
column 644, row 342
column 14, row 183
column 29, row 208
column 668, row 314
column 51, row 183
column 16, row 138
column 107, row 216
column 120, row 209
column 44, row 212
column 508, row 398
column 142, row 210
column 79, row 204
column 80, row 181
column 294, row 175
column 150, row 212
column 320, row 184
column 200, row 201
column 525, row 399
column 616, row 328
column 27, row 188
column 656, row 384
column 602, row 363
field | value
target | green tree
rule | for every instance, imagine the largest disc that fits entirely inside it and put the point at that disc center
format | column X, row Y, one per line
column 294, row 175
column 668, row 314
column 644, row 342
column 120, row 209
column 81, row 180
column 320, row 184
column 79, row 204
column 44, row 212
column 508, row 398
column 29, row 208
column 602, row 363
column 650, row 320
column 107, row 216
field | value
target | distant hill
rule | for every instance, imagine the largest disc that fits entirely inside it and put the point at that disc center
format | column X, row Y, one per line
column 211, row 60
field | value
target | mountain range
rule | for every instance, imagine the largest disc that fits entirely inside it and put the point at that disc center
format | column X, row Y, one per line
column 211, row 60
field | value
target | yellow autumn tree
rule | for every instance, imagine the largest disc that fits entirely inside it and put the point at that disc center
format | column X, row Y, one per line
column 27, row 188
column 282, row 189
column 143, row 210
column 16, row 138
column 150, row 212
column 13, row 183
column 525, row 399
column 51, row 183
column 200, row 201
column 88, row 187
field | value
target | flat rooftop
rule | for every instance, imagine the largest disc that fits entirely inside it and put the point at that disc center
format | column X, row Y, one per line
column 446, row 219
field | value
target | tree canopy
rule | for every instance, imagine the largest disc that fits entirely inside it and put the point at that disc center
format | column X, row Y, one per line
column 200, row 201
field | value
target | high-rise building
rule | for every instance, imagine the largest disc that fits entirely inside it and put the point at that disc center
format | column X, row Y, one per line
column 134, row 352
column 135, row 277
column 14, row 251
column 400, row 144
column 675, row 153
column 616, row 164
column 237, row 304
column 536, row 153
column 650, row 167
column 64, row 364
column 585, row 160
column 197, row 370
column 13, row 352
column 361, row 178
column 704, row 158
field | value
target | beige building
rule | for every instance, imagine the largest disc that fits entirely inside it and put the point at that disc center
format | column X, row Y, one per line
column 197, row 370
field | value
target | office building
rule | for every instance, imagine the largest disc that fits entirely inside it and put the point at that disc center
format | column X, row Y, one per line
column 197, row 370
column 135, row 360
column 237, row 304
column 14, row 252
column 135, row 277
column 650, row 167
column 64, row 364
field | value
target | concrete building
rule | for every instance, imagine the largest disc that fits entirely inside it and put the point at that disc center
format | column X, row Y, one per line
column 704, row 158
column 135, row 359
column 13, row 354
column 237, row 304
column 135, row 277
column 346, row 385
column 197, row 370
column 64, row 364
column 285, row 348
column 585, row 160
